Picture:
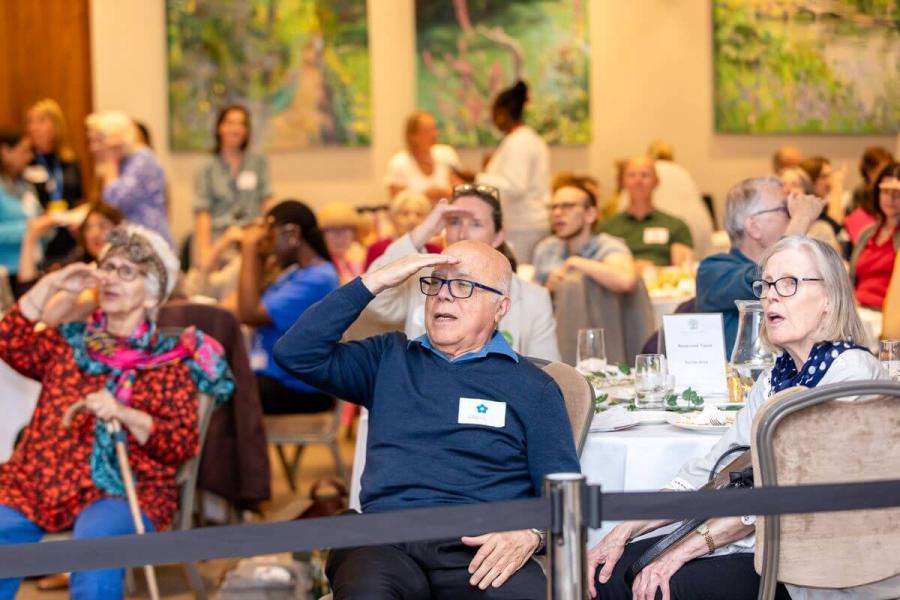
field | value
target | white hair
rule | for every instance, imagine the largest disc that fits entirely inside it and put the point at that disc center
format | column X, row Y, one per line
column 112, row 123
column 743, row 200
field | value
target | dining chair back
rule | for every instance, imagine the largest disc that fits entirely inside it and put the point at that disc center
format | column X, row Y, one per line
column 845, row 432
column 578, row 395
column 627, row 319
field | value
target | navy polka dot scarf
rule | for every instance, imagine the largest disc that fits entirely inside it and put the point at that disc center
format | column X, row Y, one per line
column 785, row 374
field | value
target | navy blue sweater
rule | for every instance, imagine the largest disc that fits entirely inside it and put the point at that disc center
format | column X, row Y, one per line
column 418, row 454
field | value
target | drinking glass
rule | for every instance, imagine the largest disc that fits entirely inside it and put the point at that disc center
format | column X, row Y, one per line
column 651, row 380
column 890, row 358
column 591, row 353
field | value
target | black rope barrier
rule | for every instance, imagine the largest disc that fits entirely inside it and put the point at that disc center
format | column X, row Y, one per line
column 430, row 524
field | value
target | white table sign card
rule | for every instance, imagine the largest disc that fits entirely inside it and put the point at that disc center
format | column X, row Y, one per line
column 695, row 351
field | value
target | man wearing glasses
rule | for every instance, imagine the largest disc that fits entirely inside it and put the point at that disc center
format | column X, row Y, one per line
column 456, row 417
column 474, row 213
column 574, row 248
column 758, row 213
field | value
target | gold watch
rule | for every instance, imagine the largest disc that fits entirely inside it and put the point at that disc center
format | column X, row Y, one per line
column 542, row 539
column 703, row 530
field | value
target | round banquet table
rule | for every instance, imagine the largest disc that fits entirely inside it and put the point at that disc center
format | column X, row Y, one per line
column 644, row 458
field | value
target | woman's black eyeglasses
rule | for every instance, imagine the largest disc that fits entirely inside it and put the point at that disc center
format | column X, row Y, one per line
column 784, row 286
column 468, row 189
column 459, row 288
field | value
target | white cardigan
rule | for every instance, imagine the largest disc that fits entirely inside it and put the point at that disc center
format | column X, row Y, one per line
column 529, row 322
column 852, row 365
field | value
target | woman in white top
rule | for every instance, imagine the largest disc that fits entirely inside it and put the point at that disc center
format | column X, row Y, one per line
column 520, row 169
column 425, row 166
column 811, row 319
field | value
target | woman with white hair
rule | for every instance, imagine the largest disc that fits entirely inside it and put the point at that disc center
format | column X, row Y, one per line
column 132, row 178
column 407, row 209
column 812, row 325
column 123, row 369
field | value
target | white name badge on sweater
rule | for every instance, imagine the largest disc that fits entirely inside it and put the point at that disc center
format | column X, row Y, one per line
column 656, row 235
column 473, row 411
column 246, row 181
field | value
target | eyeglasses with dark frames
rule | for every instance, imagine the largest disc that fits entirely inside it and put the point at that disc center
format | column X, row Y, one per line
column 459, row 288
column 468, row 189
column 784, row 286
column 783, row 208
column 123, row 271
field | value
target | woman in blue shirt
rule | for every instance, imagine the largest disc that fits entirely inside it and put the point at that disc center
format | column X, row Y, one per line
column 292, row 236
column 17, row 200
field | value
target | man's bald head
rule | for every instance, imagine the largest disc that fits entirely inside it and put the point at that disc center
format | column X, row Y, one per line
column 482, row 262
column 460, row 324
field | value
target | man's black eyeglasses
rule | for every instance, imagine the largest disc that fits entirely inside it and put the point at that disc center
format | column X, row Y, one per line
column 468, row 189
column 459, row 288
column 784, row 286
column 783, row 208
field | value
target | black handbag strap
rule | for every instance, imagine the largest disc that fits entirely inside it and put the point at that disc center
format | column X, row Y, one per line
column 740, row 478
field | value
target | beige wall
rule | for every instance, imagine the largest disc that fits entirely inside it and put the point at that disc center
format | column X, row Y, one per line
column 651, row 77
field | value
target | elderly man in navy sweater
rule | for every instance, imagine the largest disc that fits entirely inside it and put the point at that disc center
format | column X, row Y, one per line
column 455, row 417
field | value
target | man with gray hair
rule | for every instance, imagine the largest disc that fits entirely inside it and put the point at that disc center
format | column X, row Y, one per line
column 758, row 213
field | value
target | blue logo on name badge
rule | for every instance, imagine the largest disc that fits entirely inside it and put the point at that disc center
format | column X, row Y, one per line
column 481, row 408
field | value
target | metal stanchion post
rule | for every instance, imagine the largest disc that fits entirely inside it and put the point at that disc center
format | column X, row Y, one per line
column 567, row 537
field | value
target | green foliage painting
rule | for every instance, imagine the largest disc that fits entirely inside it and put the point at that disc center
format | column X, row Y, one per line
column 300, row 66
column 807, row 66
column 469, row 50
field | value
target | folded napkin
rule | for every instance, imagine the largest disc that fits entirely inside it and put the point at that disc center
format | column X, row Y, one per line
column 615, row 418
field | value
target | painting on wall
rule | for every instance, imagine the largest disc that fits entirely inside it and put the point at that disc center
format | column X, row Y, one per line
column 807, row 66
column 470, row 50
column 300, row 66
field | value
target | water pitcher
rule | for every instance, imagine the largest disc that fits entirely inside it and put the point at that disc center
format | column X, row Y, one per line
column 749, row 358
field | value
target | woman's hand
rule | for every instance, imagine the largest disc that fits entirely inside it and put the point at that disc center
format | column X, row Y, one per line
column 103, row 404
column 68, row 282
column 606, row 553
column 39, row 226
column 435, row 222
column 75, row 278
column 656, row 575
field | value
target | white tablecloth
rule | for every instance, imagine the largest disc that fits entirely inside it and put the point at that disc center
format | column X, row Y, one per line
column 644, row 458
column 18, row 397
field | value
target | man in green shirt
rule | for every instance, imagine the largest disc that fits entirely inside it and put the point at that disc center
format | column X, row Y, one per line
column 654, row 237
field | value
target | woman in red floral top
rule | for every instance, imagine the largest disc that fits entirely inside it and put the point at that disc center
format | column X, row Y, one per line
column 124, row 369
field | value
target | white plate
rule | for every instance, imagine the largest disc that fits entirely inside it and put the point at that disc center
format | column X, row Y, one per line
column 612, row 429
column 676, row 421
column 652, row 417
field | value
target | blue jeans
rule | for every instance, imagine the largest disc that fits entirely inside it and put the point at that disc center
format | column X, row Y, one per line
column 103, row 518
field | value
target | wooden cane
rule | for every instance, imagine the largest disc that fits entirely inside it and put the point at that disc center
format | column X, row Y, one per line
column 114, row 427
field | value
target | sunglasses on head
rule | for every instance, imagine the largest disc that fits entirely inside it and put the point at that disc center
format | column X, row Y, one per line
column 469, row 189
